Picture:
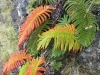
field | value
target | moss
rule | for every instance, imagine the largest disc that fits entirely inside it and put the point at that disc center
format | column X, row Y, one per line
column 8, row 36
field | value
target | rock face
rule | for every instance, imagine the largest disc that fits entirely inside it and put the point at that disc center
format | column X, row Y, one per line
column 19, row 12
column 90, row 57
column 96, row 12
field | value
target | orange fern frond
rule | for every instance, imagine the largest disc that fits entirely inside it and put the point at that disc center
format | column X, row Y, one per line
column 16, row 60
column 34, row 20
column 35, row 67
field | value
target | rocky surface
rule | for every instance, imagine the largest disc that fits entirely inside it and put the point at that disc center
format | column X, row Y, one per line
column 96, row 12
column 19, row 12
column 58, row 12
column 90, row 57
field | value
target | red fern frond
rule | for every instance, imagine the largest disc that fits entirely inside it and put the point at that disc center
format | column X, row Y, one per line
column 35, row 66
column 16, row 60
column 34, row 19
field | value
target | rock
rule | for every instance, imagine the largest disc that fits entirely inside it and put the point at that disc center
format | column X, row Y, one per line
column 58, row 12
column 90, row 57
column 96, row 12
column 19, row 12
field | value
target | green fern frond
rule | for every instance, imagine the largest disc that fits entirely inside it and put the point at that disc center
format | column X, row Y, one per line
column 32, row 5
column 63, row 37
column 43, row 2
column 57, row 66
column 84, row 20
column 32, row 42
column 57, row 53
column 23, row 69
column 65, row 20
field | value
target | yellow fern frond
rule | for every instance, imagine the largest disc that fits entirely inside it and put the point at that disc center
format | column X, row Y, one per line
column 34, row 20
column 64, row 37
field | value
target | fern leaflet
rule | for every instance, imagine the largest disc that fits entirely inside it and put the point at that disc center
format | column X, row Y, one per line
column 65, row 20
column 23, row 69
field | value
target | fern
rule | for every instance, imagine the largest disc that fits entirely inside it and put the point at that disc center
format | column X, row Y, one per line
column 16, row 60
column 65, row 20
column 34, row 20
column 57, row 66
column 34, row 67
column 43, row 2
column 57, row 53
column 23, row 69
column 63, row 37
column 32, row 42
column 32, row 5
column 49, row 1
column 84, row 20
column 35, row 3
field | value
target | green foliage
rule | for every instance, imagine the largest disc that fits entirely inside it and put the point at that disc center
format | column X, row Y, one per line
column 23, row 69
column 65, row 20
column 32, row 42
column 35, row 3
column 32, row 5
column 57, row 66
column 43, row 2
column 8, row 42
column 5, row 11
column 8, row 36
column 96, row 2
column 85, row 22
column 57, row 53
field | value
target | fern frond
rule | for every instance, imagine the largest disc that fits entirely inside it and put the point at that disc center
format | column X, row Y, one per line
column 57, row 53
column 32, row 5
column 49, row 1
column 32, row 42
column 64, row 37
column 84, row 20
column 34, row 20
column 16, row 60
column 65, row 20
column 43, row 2
column 35, row 66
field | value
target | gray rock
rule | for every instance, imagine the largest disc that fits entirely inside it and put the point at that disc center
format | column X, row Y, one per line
column 99, row 44
column 19, row 12
column 90, row 57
